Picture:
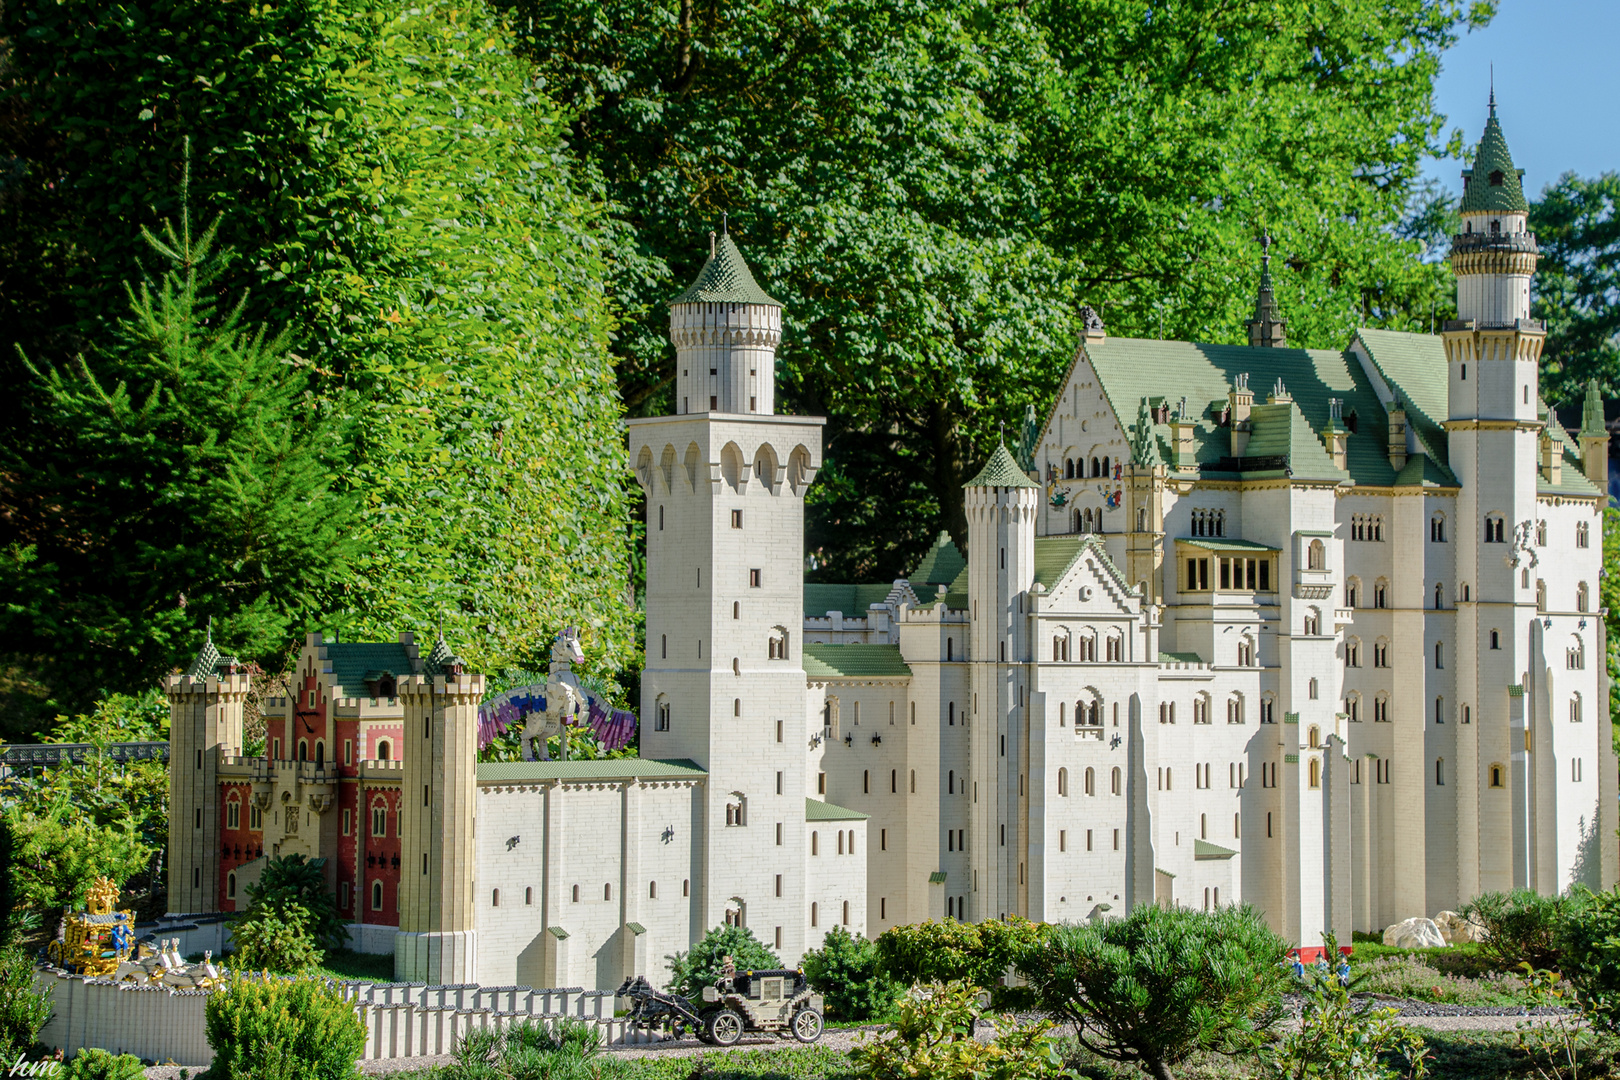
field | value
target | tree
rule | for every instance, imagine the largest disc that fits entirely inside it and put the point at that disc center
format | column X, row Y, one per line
column 846, row 972
column 275, row 939
column 1577, row 286
column 1589, row 948
column 291, row 889
column 186, row 472
column 934, row 189
column 1339, row 1038
column 691, row 971
column 1157, row 986
column 946, row 950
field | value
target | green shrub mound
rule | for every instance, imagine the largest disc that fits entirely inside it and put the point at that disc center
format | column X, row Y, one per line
column 270, row 1028
column 534, row 1050
column 847, row 973
column 1522, row 926
column 946, row 950
column 97, row 1064
column 691, row 971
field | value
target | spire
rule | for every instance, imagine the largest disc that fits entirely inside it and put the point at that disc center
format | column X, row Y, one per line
column 1492, row 184
column 725, row 278
column 1266, row 329
column 1144, row 442
column 1592, row 426
column 1001, row 471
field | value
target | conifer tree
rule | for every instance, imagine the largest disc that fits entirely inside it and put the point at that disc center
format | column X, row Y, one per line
column 181, row 471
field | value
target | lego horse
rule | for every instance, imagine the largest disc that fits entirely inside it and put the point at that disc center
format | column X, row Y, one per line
column 564, row 697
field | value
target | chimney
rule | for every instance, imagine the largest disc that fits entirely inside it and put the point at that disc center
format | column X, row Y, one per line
column 1279, row 394
column 1397, row 436
column 1239, row 403
column 1552, row 458
column 1182, row 427
column 1336, row 437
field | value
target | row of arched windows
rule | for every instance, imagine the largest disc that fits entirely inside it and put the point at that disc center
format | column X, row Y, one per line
column 1075, row 468
column 1082, row 647
column 1116, row 782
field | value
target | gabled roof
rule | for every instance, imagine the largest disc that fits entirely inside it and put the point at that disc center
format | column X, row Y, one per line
column 1491, row 158
column 1281, row 430
column 851, row 600
column 514, row 772
column 725, row 279
column 857, row 661
column 816, row 810
column 351, row 661
column 1203, row 849
column 1415, row 368
column 1001, row 471
column 939, row 566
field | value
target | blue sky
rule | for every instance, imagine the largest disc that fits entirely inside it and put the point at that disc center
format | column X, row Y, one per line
column 1557, row 88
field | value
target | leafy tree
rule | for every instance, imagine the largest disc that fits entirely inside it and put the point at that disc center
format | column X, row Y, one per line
column 1157, row 986
column 275, row 1027
column 1522, row 926
column 1590, row 955
column 293, row 889
column 934, row 188
column 275, row 939
column 691, row 971
column 1577, row 286
column 846, row 971
column 934, row 1036
column 187, row 471
column 946, row 950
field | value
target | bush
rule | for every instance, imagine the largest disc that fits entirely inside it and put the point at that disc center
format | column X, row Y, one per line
column 691, row 971
column 23, row 1009
column 534, row 1050
column 269, row 1028
column 291, row 880
column 947, row 950
column 1522, row 926
column 933, row 1037
column 1590, row 946
column 1412, row 976
column 1154, row 988
column 845, row 971
column 101, row 1065
column 274, row 939
column 1339, row 1040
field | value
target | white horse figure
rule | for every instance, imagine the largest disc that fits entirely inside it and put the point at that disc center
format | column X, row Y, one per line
column 564, row 698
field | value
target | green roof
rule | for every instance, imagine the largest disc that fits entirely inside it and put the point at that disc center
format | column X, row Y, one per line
column 1203, row 849
column 1001, row 471
column 938, row 567
column 1054, row 555
column 524, row 772
column 352, row 661
column 725, row 279
column 1221, row 544
column 1492, row 184
column 855, row 662
column 820, row 598
column 1281, row 430
column 1415, row 367
column 816, row 810
column 1421, row 471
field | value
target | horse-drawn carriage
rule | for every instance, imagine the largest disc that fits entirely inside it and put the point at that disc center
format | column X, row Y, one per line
column 778, row 1001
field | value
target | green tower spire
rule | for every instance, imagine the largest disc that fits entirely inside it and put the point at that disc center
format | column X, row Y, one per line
column 725, row 279
column 1493, row 184
column 1592, row 412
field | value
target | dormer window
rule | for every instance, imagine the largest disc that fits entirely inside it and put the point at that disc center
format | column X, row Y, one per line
column 1496, row 227
column 385, row 686
column 1496, row 180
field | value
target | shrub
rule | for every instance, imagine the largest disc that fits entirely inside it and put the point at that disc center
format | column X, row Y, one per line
column 291, row 880
column 1590, row 946
column 1522, row 926
column 274, row 939
column 23, row 1009
column 264, row 1028
column 947, row 950
column 1154, row 988
column 1340, row 1040
column 691, row 971
column 534, row 1050
column 933, row 1037
column 98, row 1064
column 845, row 971
column 1412, row 976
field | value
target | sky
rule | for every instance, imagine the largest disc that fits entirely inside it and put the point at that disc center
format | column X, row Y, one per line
column 1557, row 88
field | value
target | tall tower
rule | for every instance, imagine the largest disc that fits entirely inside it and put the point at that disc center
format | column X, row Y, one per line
column 1493, row 429
column 1267, row 329
column 724, row 682
column 437, row 941
column 1002, row 504
column 205, row 716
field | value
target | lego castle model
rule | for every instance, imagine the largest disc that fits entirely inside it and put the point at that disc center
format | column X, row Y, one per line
column 1333, row 652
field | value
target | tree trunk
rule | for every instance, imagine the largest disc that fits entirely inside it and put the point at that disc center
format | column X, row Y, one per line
column 1160, row 1070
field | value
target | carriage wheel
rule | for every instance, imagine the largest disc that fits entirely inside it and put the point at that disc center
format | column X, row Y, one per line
column 725, row 1028
column 807, row 1025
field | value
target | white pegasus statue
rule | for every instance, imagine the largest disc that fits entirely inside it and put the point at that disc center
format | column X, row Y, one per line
column 564, row 697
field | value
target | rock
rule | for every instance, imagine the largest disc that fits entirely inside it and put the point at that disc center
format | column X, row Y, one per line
column 1458, row 930
column 1416, row 933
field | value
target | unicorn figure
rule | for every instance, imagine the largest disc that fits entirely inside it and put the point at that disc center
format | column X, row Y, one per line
column 565, row 700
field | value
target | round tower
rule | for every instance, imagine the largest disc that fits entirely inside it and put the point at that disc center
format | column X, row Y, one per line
column 725, row 329
column 1495, row 254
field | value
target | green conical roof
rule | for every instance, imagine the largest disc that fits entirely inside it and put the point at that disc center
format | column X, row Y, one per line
column 725, row 279
column 939, row 566
column 1592, row 412
column 1493, row 184
column 1001, row 471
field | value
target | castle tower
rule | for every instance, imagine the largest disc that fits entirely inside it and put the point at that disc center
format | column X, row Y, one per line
column 205, row 717
column 1002, row 504
column 1492, row 354
column 1267, row 329
column 437, row 940
column 724, row 682
column 1594, row 438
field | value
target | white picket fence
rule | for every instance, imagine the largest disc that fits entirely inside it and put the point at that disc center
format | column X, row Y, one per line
column 402, row 1019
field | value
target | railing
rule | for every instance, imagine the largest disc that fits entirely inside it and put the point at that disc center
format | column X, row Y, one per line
column 57, row 753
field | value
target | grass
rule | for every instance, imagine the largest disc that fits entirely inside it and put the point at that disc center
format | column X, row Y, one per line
column 366, row 967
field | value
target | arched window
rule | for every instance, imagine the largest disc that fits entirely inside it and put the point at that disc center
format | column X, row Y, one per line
column 230, row 886
column 1068, row 468
column 652, row 890
column 1440, row 772
column 1437, row 529
column 1583, row 534
column 1381, row 593
column 1091, row 780
column 383, row 750
column 1116, row 781
column 1496, row 639
column 1352, row 592
column 1063, row 783
column 1439, row 596
column 1575, row 654
column 813, row 914
column 1316, row 773
column 1352, row 706
column 1312, row 688
column 1315, row 737
column 376, row 896
column 1203, row 826
column 1496, row 776
column 303, row 749
column 1352, row 652
column 1316, row 556
column 1381, row 708
column 1439, row 710
column 1234, row 710
column 1575, row 709
column 1541, row 533
column 950, row 781
column 1493, row 529
column 1583, row 597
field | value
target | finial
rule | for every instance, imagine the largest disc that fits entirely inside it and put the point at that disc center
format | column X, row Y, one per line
column 1493, row 89
column 210, row 629
column 1265, row 246
column 711, row 243
column 725, row 229
column 1002, row 424
column 441, row 626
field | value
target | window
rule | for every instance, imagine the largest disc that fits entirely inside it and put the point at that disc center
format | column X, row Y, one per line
column 1583, row 597
column 661, row 721
column 1312, row 687
column 1439, row 710
column 379, row 820
column 1381, row 709
column 1496, row 776
column 348, row 821
column 1316, row 556
column 736, row 518
column 1062, row 782
column 255, row 817
column 233, row 815
column 1200, row 710
column 230, row 886
column 1381, row 594
column 1496, row 639
column 1316, row 773
column 1115, row 781
column 1439, row 597
column 376, row 896
column 1088, row 646
column 1352, row 707
column 384, row 750
column 1314, row 737
column 1091, row 780
column 1439, row 772
column 1060, row 648
column 1575, row 655
column 1268, row 709
column 1380, row 653
column 1352, row 652
column 495, row 898
column 1437, row 529
column 528, row 896
column 815, row 843
column 1493, row 528
column 1439, row 655
column 1115, row 648
column 1541, row 533
column 1245, row 656
column 1583, row 534
column 1313, row 624
column 753, row 579
column 607, row 891
column 1209, row 522
column 1234, row 710
column 1575, row 709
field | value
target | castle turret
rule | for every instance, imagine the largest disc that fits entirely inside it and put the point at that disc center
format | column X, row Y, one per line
column 205, row 717
column 437, row 938
column 1267, row 329
column 725, row 329
column 1001, row 504
column 1594, row 438
column 1495, row 254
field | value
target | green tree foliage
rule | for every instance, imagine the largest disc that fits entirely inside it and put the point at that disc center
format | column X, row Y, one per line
column 1340, row 1038
column 293, row 890
column 1577, row 285
column 945, row 950
column 187, row 461
column 934, row 1037
column 277, row 940
column 405, row 207
column 1160, row 985
column 97, row 1064
column 934, row 188
column 300, row 1029
column 846, row 972
column 23, row 1008
column 690, row 972
column 1589, row 946
column 1522, row 926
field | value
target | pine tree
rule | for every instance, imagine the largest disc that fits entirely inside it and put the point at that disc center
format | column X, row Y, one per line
column 179, row 472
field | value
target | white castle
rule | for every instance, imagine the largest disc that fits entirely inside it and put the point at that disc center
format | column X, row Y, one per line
column 1333, row 653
